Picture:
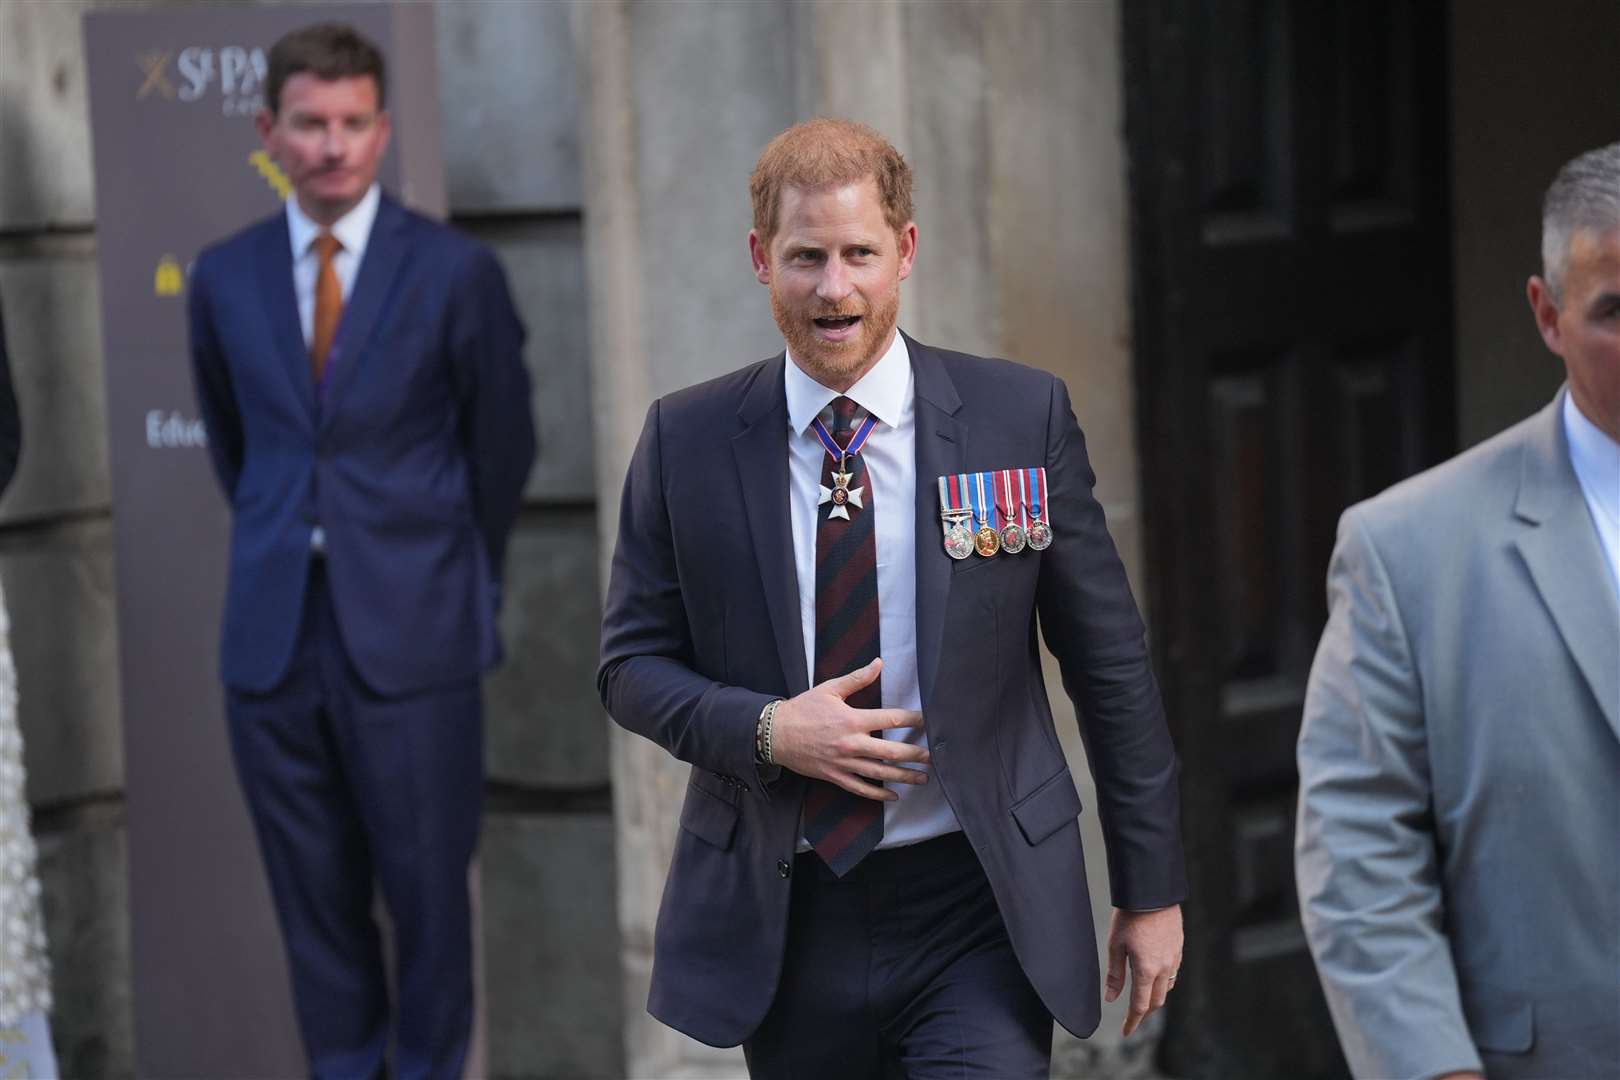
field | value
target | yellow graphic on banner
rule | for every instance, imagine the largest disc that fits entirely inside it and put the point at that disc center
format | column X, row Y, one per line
column 271, row 172
column 155, row 65
column 169, row 279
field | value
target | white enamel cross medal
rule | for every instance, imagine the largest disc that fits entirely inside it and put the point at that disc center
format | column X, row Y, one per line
column 840, row 495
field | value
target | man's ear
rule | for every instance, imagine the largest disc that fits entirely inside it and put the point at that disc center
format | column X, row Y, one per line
column 264, row 121
column 1545, row 310
column 907, row 239
column 759, row 253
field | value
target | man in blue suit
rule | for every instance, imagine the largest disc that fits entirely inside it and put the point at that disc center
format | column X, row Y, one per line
column 359, row 368
column 825, row 594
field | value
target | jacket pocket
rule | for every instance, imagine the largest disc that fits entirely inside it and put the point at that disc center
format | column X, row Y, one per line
column 1048, row 808
column 710, row 817
column 1501, row 1023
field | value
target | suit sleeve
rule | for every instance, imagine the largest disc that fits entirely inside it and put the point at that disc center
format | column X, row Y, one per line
column 492, row 387
column 646, row 678
column 1365, row 857
column 211, row 378
column 1091, row 624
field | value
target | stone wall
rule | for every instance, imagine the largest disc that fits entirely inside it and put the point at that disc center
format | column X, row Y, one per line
column 56, row 558
column 1011, row 115
column 509, row 87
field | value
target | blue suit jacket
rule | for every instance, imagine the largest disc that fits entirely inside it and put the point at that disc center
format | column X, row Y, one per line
column 413, row 464
column 701, row 628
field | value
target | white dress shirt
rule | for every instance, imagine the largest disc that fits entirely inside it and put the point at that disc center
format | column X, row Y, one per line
column 887, row 392
column 1596, row 459
column 352, row 231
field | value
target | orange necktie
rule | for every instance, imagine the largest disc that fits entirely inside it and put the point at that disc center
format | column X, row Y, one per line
column 328, row 304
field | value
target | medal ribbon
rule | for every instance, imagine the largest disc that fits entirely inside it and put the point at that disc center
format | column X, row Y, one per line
column 1037, row 492
column 856, row 441
column 1023, row 499
column 984, row 508
column 1005, row 506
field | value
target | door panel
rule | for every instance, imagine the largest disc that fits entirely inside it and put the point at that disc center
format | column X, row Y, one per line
column 1292, row 310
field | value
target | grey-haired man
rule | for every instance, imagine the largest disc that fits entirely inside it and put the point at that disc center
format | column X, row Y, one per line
column 1459, row 819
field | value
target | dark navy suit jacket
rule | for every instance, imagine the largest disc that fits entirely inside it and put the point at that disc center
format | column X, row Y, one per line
column 412, row 461
column 701, row 629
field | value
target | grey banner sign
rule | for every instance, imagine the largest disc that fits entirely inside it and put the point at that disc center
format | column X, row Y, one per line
column 178, row 165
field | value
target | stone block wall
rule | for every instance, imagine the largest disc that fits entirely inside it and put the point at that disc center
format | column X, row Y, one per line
column 56, row 559
column 509, row 90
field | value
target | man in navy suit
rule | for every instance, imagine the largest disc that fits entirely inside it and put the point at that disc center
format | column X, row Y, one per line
column 879, row 868
column 360, row 371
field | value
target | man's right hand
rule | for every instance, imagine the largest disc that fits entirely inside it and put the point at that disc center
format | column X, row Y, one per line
column 816, row 734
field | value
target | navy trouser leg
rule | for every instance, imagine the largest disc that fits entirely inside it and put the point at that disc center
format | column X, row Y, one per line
column 349, row 790
column 902, row 968
column 957, row 1003
column 316, row 856
column 821, row 1023
column 418, row 774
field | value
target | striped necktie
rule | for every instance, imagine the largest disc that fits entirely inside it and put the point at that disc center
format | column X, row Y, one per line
column 840, row 826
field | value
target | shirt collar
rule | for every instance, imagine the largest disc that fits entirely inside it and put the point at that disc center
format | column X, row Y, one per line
column 352, row 229
column 881, row 391
column 1595, row 457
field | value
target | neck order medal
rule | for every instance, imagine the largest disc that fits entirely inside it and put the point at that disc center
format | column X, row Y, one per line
column 841, row 496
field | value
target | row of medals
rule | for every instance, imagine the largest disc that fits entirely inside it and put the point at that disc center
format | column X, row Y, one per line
column 960, row 541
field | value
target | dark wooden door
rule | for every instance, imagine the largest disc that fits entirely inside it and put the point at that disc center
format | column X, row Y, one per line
column 1292, row 317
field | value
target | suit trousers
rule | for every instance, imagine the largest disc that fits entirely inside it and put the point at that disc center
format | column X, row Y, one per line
column 351, row 792
column 902, row 968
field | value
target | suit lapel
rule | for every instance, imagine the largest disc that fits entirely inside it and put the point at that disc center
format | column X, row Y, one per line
column 1561, row 549
column 941, row 448
column 761, row 450
column 385, row 256
column 281, row 308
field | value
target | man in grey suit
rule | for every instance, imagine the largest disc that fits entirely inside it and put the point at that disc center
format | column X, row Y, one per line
column 1458, row 849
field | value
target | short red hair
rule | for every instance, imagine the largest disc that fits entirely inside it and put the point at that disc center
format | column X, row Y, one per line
column 827, row 152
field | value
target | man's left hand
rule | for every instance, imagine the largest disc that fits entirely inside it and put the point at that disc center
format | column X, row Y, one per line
column 1150, row 941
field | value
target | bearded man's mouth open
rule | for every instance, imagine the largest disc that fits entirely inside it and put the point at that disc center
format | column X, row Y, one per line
column 836, row 327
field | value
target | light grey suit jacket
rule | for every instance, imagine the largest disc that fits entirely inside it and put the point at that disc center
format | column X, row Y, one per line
column 1458, row 844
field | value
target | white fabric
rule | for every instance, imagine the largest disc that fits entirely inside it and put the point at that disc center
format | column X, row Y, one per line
column 24, row 970
column 352, row 230
column 1596, row 459
column 887, row 392
column 25, row 1048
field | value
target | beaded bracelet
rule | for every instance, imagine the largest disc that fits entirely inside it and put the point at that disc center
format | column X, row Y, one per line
column 763, row 754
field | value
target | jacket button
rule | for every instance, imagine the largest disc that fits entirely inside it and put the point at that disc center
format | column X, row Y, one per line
column 783, row 868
